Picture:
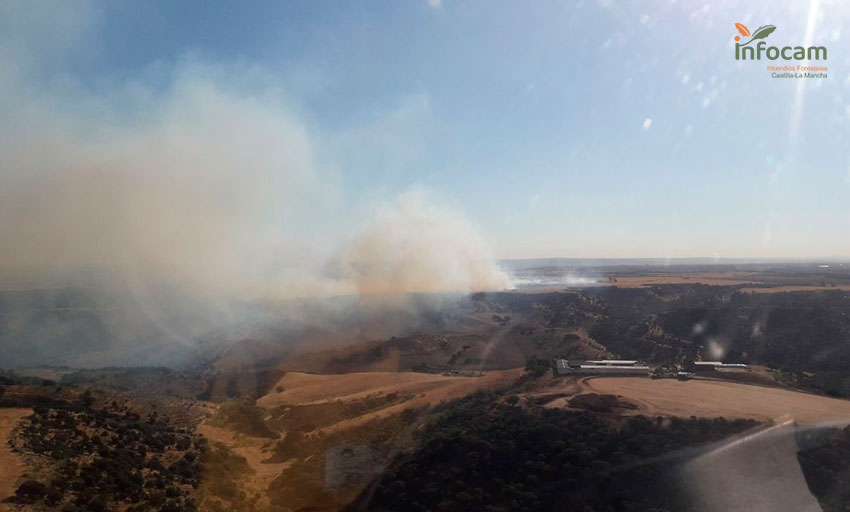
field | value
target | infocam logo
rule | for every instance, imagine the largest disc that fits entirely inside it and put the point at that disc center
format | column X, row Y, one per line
column 750, row 51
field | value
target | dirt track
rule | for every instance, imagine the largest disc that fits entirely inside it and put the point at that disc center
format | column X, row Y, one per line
column 711, row 398
column 11, row 467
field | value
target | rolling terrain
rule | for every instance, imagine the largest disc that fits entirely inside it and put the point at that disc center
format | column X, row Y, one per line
column 330, row 419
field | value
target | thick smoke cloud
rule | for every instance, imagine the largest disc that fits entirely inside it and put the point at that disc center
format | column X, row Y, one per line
column 166, row 215
column 210, row 184
column 415, row 245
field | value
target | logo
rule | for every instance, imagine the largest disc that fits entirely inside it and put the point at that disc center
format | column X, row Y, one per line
column 757, row 47
column 747, row 52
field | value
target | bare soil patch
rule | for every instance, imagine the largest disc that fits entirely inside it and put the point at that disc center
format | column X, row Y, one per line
column 600, row 403
column 11, row 466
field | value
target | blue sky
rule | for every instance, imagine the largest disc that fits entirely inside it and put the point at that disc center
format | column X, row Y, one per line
column 574, row 129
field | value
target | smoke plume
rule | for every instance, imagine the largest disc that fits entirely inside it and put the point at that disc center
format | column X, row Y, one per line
column 204, row 178
column 413, row 245
column 193, row 201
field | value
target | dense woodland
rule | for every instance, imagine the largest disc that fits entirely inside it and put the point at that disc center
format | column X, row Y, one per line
column 480, row 455
column 825, row 459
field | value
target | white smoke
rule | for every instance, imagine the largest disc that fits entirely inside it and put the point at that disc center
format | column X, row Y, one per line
column 204, row 178
column 416, row 245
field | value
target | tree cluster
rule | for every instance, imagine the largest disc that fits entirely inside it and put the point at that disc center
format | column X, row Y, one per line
column 110, row 458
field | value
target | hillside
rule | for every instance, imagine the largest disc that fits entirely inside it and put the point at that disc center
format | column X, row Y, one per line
column 276, row 427
column 803, row 335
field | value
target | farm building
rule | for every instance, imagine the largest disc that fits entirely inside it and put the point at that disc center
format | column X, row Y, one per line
column 719, row 366
column 603, row 367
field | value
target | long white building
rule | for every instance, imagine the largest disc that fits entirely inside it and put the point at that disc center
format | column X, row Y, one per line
column 600, row 367
column 717, row 365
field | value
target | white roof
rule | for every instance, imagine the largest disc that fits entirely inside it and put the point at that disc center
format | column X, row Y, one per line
column 605, row 367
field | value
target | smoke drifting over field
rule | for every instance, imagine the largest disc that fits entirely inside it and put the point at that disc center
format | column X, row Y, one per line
column 202, row 199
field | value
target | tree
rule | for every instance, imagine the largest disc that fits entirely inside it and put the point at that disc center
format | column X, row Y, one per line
column 87, row 399
column 30, row 491
column 289, row 446
column 688, row 363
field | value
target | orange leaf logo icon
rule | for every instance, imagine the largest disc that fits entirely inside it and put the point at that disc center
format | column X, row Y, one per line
column 742, row 29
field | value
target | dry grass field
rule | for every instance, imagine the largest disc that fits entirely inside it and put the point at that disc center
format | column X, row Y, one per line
column 786, row 284
column 422, row 388
column 713, row 398
column 11, row 467
column 795, row 288
column 393, row 392
column 255, row 450
column 711, row 278
column 757, row 279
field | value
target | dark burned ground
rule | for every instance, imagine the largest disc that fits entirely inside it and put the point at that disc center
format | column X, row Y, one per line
column 600, row 403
